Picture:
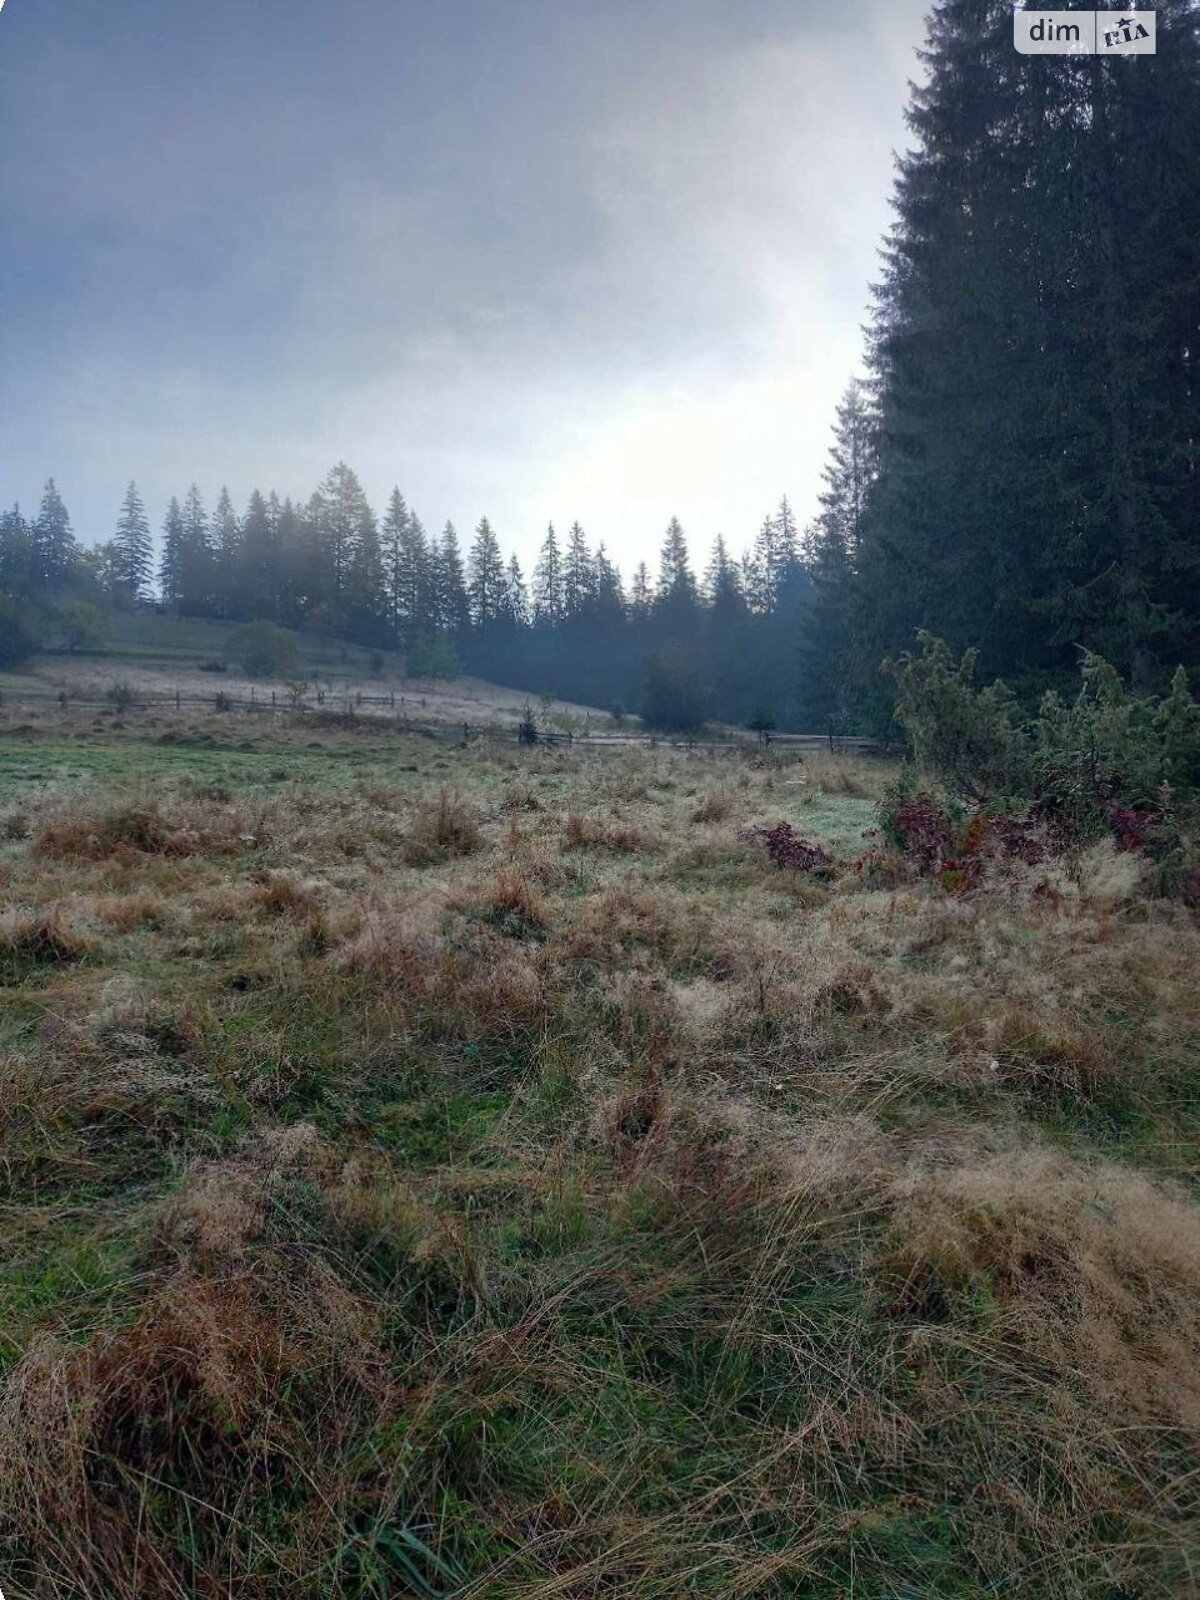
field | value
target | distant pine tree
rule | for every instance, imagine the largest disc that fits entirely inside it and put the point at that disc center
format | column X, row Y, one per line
column 132, row 559
column 486, row 583
column 450, row 588
column 392, row 534
column 226, row 546
column 195, row 565
column 169, row 566
column 578, row 578
column 548, row 608
column 516, row 595
column 54, row 548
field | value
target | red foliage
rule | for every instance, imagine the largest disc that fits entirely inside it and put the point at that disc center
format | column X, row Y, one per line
column 1129, row 826
column 922, row 831
column 786, row 848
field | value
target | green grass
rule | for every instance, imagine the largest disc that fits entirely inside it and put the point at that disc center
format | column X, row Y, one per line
column 362, row 1236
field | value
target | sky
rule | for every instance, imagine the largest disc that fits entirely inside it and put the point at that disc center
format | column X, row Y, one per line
column 530, row 259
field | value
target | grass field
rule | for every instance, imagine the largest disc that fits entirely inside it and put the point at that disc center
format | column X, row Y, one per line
column 157, row 656
column 438, row 1172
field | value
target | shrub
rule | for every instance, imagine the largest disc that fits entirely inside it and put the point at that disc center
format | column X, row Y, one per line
column 966, row 736
column 433, row 658
column 785, row 848
column 120, row 695
column 1110, row 762
column 84, row 626
column 263, row 650
column 918, row 824
column 18, row 634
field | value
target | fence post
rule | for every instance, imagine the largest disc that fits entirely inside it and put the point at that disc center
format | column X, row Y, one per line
column 177, row 699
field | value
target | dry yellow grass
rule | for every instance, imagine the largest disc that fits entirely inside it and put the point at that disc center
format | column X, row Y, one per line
column 490, row 1178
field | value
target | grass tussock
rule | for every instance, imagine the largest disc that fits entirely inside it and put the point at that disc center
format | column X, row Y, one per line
column 716, row 806
column 39, row 939
column 594, row 1211
column 581, row 832
column 187, row 827
column 441, row 830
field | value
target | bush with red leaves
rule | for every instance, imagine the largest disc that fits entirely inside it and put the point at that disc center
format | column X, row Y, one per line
column 785, row 847
column 1130, row 825
column 919, row 827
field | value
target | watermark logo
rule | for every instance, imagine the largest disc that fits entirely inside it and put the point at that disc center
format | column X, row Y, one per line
column 1133, row 35
column 1084, row 33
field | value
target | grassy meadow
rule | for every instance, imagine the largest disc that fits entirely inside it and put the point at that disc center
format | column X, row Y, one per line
column 481, row 1173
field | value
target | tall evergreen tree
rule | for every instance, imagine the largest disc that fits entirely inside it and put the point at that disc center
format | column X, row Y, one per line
column 1035, row 364
column 225, row 536
column 170, row 572
column 486, row 584
column 341, row 516
column 450, row 588
column 393, row 531
column 132, row 560
column 641, row 595
column 577, row 574
column 54, row 546
column 258, row 560
column 676, row 597
column 548, row 607
column 516, row 595
column 20, row 576
column 195, row 566
column 366, row 596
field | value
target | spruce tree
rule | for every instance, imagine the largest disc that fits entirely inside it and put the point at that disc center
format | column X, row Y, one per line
column 486, row 584
column 548, row 582
column 226, row 546
column 577, row 575
column 450, row 589
column 258, row 560
column 392, row 533
column 54, row 546
column 195, row 567
column 132, row 557
column 516, row 595
column 19, row 568
column 366, row 602
column 1035, row 359
column 169, row 566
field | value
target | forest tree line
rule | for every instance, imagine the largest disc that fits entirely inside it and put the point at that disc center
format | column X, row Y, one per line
column 1017, row 469
column 678, row 646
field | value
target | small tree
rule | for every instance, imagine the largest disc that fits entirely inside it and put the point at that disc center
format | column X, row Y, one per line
column 120, row 695
column 433, row 658
column 263, row 650
column 84, row 626
column 967, row 736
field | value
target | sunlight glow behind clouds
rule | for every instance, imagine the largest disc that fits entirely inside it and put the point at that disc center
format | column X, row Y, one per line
column 617, row 273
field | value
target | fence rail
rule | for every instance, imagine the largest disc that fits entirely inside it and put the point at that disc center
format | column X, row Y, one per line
column 392, row 711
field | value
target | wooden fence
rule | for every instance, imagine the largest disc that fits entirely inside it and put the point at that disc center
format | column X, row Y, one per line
column 393, row 710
